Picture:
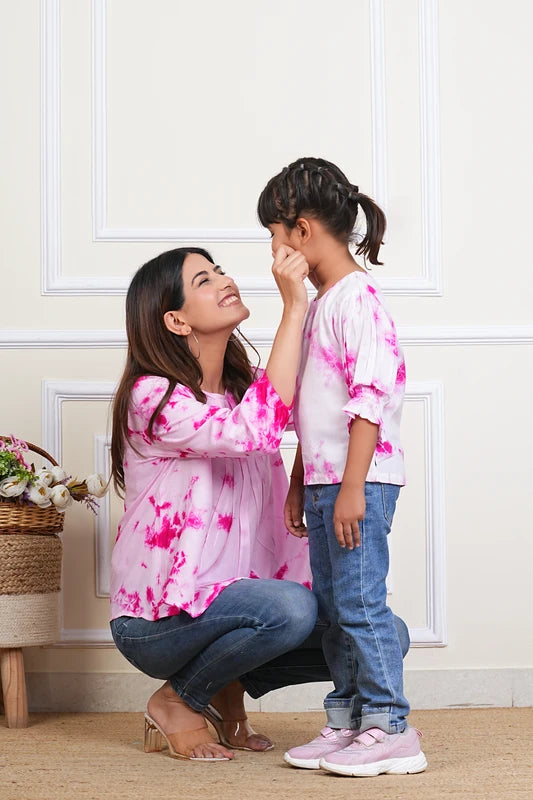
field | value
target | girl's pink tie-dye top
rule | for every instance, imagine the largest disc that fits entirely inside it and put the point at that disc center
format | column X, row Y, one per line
column 351, row 366
column 204, row 500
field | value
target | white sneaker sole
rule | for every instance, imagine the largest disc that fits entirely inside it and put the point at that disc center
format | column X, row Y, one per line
column 303, row 763
column 390, row 766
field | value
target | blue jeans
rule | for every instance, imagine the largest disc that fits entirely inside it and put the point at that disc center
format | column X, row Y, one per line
column 250, row 622
column 361, row 643
column 304, row 664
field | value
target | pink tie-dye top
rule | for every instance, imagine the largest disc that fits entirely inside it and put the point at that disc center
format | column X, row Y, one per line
column 351, row 366
column 204, row 500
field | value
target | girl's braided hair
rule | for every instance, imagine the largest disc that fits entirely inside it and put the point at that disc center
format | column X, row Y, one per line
column 317, row 188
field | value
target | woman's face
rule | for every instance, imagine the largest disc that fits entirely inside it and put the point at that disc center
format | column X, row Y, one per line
column 212, row 299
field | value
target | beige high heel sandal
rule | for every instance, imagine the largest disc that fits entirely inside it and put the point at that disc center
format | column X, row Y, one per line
column 181, row 744
column 239, row 730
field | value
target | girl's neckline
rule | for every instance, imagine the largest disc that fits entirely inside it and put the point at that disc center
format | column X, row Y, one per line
column 344, row 277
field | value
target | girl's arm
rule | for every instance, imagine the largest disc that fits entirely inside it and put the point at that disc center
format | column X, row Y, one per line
column 293, row 511
column 350, row 505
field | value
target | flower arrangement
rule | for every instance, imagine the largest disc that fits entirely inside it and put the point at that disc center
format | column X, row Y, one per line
column 21, row 483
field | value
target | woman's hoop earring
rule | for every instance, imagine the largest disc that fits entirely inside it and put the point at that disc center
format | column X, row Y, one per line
column 192, row 333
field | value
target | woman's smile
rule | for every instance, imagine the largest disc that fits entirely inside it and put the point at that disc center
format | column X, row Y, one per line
column 229, row 300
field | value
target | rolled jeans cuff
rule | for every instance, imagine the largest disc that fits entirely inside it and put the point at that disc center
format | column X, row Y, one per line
column 381, row 720
column 339, row 717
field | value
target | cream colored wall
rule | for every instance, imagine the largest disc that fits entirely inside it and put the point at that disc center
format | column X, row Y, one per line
column 132, row 126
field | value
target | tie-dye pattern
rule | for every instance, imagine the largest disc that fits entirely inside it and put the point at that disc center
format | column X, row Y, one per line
column 351, row 366
column 204, row 500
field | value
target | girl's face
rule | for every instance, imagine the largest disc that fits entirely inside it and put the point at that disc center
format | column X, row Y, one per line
column 212, row 299
column 280, row 235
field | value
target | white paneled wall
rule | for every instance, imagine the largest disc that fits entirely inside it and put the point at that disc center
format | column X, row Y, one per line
column 146, row 125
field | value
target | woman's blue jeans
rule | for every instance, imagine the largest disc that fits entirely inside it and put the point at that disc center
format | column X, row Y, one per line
column 250, row 622
column 361, row 643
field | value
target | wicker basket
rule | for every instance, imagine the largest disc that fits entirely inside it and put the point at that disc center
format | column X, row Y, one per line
column 18, row 517
column 30, row 582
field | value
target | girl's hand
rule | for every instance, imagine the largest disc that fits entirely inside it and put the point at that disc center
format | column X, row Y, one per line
column 350, row 508
column 290, row 268
column 293, row 511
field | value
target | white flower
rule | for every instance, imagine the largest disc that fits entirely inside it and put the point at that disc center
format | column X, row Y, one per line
column 59, row 474
column 40, row 495
column 60, row 497
column 96, row 485
column 11, row 487
column 45, row 476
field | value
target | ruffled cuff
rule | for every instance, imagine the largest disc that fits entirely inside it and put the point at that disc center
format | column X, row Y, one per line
column 368, row 403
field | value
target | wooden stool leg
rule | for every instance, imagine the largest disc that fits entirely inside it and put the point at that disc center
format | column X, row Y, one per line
column 14, row 687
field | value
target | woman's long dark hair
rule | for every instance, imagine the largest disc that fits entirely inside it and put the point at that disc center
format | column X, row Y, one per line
column 319, row 189
column 157, row 287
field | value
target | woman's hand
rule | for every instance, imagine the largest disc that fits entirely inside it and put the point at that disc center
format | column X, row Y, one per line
column 290, row 268
column 293, row 511
column 349, row 510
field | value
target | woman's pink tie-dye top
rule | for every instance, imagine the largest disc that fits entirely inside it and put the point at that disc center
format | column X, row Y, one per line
column 351, row 366
column 204, row 501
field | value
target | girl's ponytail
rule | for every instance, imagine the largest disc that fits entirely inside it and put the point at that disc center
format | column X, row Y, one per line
column 376, row 225
column 318, row 188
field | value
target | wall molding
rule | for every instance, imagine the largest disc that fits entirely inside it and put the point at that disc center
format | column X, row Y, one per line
column 430, row 394
column 425, row 688
column 54, row 394
column 54, row 282
column 409, row 335
column 102, row 465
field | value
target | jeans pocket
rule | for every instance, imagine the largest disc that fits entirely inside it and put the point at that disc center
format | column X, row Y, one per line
column 119, row 626
column 389, row 495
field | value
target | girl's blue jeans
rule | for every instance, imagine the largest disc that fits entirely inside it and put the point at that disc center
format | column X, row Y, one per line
column 361, row 642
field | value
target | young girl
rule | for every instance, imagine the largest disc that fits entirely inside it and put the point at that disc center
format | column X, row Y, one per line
column 195, row 448
column 347, row 415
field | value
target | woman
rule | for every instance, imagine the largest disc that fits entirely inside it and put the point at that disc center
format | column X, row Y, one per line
column 207, row 584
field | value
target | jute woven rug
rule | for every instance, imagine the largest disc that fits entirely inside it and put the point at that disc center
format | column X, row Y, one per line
column 472, row 753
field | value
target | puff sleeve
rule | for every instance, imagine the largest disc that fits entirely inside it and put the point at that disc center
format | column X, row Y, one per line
column 370, row 354
column 187, row 427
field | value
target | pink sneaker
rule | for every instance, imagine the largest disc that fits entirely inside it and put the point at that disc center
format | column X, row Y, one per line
column 328, row 741
column 374, row 752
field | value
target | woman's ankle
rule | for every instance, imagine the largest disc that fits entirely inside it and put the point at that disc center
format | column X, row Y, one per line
column 229, row 701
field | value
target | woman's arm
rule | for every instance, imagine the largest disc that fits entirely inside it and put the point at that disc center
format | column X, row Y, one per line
column 188, row 428
column 290, row 269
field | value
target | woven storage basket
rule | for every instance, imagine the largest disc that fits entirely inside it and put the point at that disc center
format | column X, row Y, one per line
column 18, row 517
column 30, row 581
column 30, row 571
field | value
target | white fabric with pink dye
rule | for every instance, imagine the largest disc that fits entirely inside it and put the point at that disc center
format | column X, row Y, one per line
column 351, row 366
column 204, row 500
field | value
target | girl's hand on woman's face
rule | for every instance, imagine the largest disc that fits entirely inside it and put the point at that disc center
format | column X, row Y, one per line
column 290, row 268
